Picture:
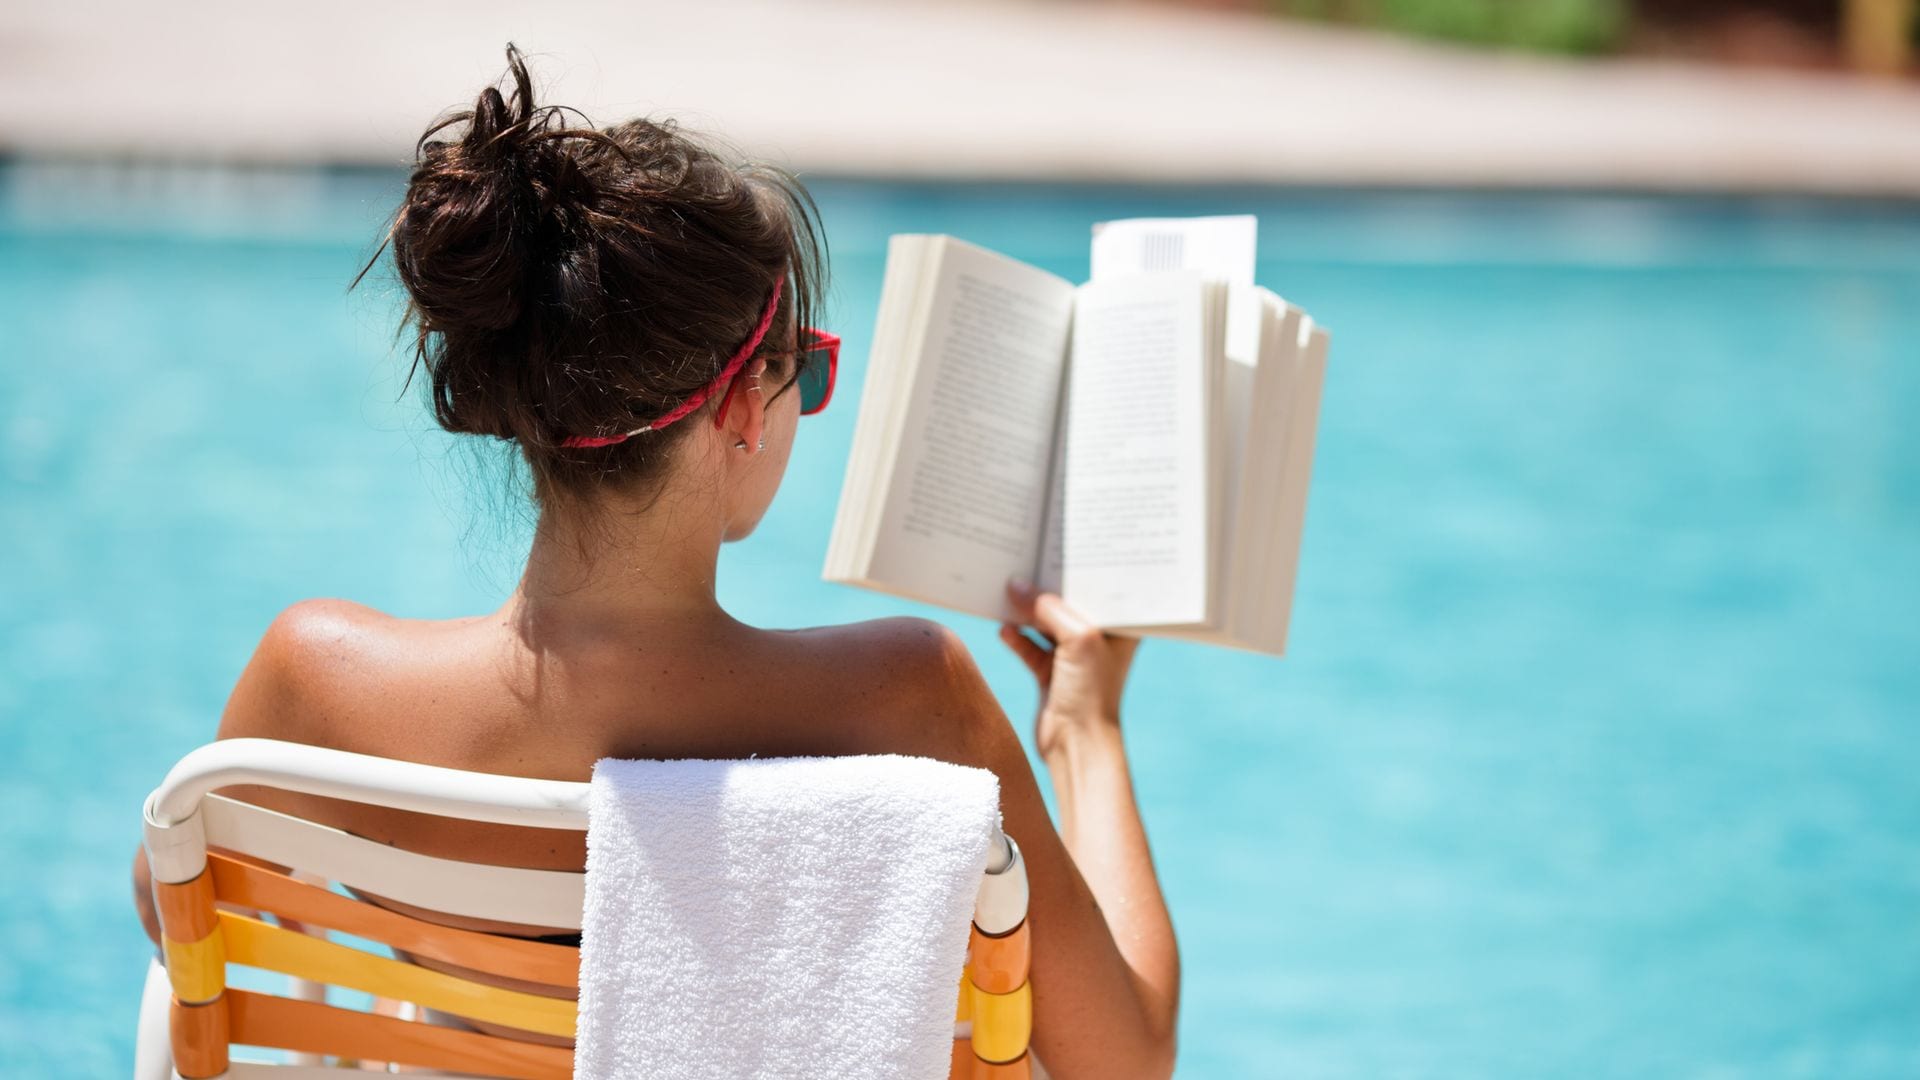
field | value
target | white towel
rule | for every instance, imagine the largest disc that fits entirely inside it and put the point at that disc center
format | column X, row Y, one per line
column 778, row 917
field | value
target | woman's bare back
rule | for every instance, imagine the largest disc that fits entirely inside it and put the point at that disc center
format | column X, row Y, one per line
column 475, row 694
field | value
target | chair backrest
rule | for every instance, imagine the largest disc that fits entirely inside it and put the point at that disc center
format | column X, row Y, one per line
column 206, row 851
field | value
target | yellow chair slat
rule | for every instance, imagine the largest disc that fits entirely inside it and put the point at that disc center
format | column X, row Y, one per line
column 197, row 969
column 256, row 944
column 1002, row 1023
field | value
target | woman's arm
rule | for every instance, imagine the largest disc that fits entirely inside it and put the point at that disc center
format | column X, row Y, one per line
column 1077, row 731
column 1105, row 972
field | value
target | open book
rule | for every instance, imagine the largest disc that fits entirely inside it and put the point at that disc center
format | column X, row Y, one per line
column 1140, row 443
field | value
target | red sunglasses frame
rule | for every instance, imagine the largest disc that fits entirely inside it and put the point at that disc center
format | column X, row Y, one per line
column 821, row 340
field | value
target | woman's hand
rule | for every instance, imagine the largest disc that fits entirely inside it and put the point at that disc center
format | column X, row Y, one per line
column 1081, row 671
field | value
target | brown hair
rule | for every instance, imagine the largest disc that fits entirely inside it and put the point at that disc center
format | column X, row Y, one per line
column 566, row 280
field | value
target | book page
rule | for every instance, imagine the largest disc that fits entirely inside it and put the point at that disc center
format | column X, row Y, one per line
column 1220, row 247
column 1245, row 323
column 1291, row 498
column 1050, row 569
column 1261, row 420
column 912, row 261
column 1260, row 433
column 1139, row 512
column 962, row 510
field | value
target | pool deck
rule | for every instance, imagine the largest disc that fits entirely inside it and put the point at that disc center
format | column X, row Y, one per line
column 996, row 88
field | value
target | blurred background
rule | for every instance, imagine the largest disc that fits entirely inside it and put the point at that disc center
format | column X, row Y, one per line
column 1595, row 751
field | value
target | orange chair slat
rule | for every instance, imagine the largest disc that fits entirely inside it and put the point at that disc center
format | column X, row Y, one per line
column 252, row 886
column 309, row 1027
column 186, row 909
column 998, row 964
column 199, row 1037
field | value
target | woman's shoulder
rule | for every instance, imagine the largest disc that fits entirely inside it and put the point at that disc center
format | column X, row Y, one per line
column 907, row 653
column 306, row 623
column 906, row 641
column 311, row 638
column 913, row 679
column 314, row 656
column 330, row 629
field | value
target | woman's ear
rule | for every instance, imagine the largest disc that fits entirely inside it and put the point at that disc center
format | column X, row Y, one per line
column 747, row 415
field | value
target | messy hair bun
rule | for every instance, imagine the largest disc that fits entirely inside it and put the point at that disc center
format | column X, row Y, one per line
column 566, row 280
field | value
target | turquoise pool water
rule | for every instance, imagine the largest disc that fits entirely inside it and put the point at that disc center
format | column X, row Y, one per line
column 1597, row 754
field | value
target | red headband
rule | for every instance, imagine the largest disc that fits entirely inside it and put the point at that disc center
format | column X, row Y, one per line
column 701, row 395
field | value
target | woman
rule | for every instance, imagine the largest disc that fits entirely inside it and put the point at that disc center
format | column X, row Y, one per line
column 632, row 311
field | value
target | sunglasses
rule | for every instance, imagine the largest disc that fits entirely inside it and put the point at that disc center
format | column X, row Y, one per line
column 819, row 367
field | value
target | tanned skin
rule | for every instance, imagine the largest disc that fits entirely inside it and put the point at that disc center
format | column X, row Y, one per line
column 613, row 644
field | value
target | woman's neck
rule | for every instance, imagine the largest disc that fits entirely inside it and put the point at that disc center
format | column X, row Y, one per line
column 630, row 564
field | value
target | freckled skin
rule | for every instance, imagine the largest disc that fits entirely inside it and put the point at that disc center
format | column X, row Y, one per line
column 628, row 655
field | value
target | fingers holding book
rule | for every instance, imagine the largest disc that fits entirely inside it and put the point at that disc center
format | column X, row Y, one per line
column 1081, row 670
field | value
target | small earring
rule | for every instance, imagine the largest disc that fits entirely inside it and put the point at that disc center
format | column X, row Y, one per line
column 740, row 444
column 763, row 443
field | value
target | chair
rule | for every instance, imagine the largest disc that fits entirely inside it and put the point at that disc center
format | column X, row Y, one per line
column 206, row 851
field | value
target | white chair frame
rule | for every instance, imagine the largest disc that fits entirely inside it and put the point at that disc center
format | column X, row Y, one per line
column 183, row 817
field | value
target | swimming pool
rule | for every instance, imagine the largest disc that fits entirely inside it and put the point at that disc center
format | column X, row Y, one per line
column 1595, row 755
